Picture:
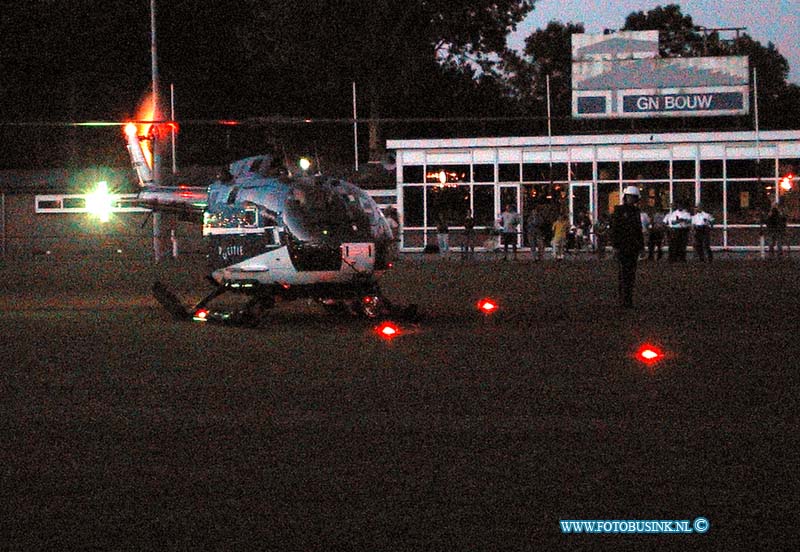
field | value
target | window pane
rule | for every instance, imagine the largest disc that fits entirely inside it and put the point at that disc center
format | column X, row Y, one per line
column 412, row 206
column 74, row 203
column 608, row 171
column 444, row 174
column 607, row 198
column 645, row 170
column 742, row 168
column 483, row 205
column 789, row 166
column 711, row 199
column 747, row 200
column 683, row 169
column 790, row 203
column 766, row 168
column 413, row 174
column 545, row 172
column 450, row 204
column 508, row 172
column 581, row 171
column 48, row 204
column 655, row 196
column 536, row 172
column 711, row 168
column 483, row 173
column 508, row 196
column 683, row 194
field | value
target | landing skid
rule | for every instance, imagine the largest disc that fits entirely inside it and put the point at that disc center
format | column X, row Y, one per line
column 250, row 315
column 372, row 306
column 364, row 303
column 170, row 302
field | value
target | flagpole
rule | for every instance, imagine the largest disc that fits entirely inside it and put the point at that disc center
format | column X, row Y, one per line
column 355, row 126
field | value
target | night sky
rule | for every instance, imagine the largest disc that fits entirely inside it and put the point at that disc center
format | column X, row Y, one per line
column 83, row 60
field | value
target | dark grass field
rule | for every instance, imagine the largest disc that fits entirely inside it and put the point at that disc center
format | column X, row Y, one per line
column 121, row 429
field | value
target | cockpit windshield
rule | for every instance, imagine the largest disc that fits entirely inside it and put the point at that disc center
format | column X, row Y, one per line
column 321, row 213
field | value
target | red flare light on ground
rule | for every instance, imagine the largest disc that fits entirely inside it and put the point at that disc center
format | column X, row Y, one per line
column 388, row 330
column 487, row 306
column 649, row 354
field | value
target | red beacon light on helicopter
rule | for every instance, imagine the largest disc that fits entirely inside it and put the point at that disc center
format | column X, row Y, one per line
column 200, row 315
column 487, row 306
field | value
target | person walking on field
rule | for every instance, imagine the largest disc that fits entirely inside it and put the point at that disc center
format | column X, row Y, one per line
column 628, row 241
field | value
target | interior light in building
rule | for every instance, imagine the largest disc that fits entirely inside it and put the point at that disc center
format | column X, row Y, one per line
column 787, row 182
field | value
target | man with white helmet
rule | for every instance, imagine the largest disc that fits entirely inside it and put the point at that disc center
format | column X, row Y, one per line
column 628, row 241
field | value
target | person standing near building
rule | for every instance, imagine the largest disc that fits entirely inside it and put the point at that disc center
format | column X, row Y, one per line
column 443, row 235
column 535, row 231
column 776, row 230
column 601, row 230
column 628, row 241
column 645, row 226
column 509, row 221
column 655, row 236
column 584, row 225
column 678, row 222
column 702, row 222
column 560, row 228
column 468, row 245
column 394, row 226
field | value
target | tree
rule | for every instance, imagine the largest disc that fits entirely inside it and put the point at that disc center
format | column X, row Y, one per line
column 677, row 35
column 389, row 48
column 680, row 37
column 548, row 52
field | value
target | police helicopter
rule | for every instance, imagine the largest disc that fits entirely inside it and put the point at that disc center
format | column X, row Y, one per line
column 274, row 236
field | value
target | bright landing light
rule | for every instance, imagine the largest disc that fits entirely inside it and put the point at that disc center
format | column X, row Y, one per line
column 100, row 202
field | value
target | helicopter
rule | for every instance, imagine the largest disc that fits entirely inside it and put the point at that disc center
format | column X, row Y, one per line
column 273, row 236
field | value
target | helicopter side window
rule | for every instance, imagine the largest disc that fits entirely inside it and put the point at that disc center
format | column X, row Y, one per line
column 249, row 217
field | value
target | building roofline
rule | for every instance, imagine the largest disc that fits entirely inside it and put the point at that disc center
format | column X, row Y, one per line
column 594, row 140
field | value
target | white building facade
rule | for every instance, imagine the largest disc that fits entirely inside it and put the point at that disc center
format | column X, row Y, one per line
column 736, row 176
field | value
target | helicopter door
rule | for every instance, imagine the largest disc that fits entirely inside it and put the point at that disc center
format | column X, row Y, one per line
column 359, row 256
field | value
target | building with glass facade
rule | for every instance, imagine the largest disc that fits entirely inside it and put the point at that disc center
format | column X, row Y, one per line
column 736, row 176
